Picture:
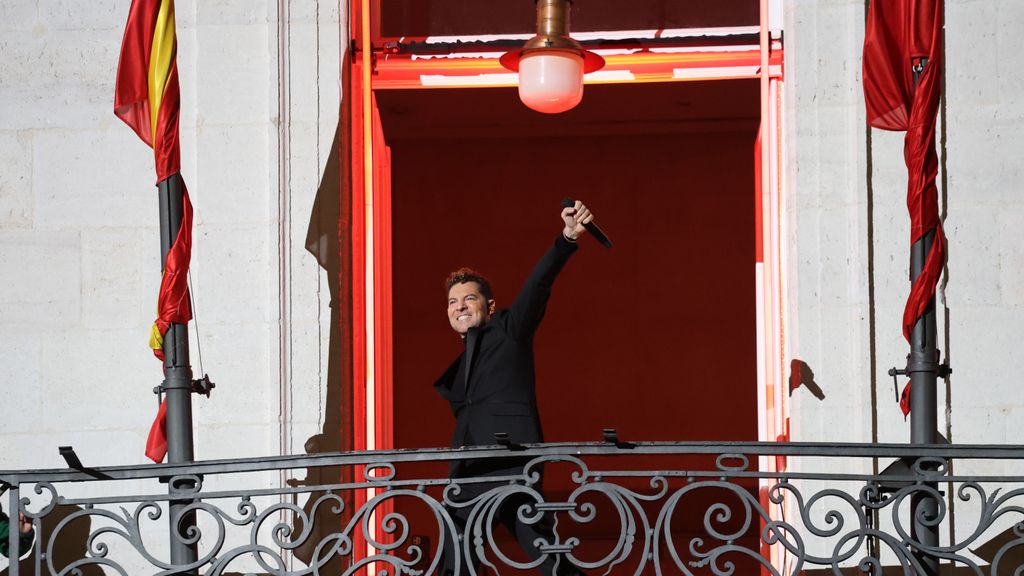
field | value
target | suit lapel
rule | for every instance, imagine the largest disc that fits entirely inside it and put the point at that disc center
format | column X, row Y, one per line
column 472, row 338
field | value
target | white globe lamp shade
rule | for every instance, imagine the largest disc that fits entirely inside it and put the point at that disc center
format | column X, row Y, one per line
column 551, row 81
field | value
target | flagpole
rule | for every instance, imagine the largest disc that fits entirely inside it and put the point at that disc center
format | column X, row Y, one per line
column 177, row 385
column 923, row 369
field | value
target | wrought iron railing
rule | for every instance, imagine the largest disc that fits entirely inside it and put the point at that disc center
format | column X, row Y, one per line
column 611, row 508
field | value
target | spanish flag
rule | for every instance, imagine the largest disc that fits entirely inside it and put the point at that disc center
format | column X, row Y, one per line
column 147, row 99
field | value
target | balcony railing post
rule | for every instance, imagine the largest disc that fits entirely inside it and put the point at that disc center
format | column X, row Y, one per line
column 14, row 532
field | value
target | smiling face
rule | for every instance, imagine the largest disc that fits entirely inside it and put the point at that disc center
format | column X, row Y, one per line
column 467, row 307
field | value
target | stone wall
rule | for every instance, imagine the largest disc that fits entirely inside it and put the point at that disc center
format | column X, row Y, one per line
column 848, row 250
column 847, row 191
column 79, row 245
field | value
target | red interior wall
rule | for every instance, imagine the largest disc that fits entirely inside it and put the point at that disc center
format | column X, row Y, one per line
column 655, row 337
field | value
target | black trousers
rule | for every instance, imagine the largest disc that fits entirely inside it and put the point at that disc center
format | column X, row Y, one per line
column 507, row 514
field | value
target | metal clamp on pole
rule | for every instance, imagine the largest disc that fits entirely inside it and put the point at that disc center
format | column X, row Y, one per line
column 894, row 372
column 942, row 370
column 917, row 363
column 176, row 384
column 917, row 66
column 203, row 385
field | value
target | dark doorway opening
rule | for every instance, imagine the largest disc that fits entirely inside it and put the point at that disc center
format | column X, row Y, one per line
column 655, row 337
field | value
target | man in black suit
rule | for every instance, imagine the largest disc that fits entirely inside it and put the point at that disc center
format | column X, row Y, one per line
column 491, row 385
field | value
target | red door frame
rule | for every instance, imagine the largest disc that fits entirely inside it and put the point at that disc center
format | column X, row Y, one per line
column 370, row 253
column 371, row 209
column 372, row 368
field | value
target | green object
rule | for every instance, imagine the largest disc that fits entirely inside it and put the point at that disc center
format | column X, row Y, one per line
column 24, row 542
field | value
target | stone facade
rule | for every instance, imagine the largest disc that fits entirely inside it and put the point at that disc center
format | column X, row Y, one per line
column 833, row 167
column 79, row 228
column 79, row 236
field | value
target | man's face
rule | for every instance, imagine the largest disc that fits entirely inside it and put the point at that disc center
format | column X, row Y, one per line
column 467, row 307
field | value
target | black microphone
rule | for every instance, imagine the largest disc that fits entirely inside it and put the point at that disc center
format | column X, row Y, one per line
column 596, row 232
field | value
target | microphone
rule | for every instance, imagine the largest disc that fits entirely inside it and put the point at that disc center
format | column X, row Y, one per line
column 596, row 232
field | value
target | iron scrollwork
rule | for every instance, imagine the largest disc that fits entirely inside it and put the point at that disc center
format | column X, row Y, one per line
column 728, row 519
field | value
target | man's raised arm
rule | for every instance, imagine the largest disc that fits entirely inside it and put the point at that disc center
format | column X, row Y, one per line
column 528, row 309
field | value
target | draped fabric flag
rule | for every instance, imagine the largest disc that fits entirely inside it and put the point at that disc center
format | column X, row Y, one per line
column 146, row 96
column 147, row 99
column 900, row 35
column 156, row 442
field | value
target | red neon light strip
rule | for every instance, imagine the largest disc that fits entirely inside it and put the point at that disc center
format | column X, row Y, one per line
column 383, row 408
column 402, row 72
column 358, row 163
column 758, row 207
column 763, row 176
column 383, row 427
column 358, row 246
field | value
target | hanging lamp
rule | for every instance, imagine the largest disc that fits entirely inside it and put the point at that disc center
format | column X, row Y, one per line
column 551, row 65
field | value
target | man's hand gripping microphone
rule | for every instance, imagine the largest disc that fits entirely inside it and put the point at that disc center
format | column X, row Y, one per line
column 592, row 228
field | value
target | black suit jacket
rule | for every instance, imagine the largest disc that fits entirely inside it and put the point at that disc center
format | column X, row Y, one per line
column 499, row 393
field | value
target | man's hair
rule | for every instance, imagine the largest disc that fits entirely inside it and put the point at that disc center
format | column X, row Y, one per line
column 463, row 275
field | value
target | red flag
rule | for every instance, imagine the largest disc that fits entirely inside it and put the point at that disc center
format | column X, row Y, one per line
column 156, row 443
column 147, row 98
column 900, row 35
column 173, row 305
column 146, row 94
column 905, row 400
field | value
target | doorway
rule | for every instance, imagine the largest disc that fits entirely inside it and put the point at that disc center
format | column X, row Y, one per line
column 655, row 337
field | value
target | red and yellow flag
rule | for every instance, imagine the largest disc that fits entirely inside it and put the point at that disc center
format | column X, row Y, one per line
column 147, row 98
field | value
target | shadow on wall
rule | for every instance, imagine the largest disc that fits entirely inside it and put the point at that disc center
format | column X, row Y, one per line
column 327, row 241
column 1007, row 544
column 800, row 374
column 71, row 545
column 1007, row 547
